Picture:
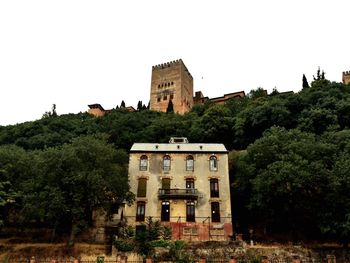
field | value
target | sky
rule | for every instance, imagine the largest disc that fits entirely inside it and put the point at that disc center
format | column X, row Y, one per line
column 78, row 52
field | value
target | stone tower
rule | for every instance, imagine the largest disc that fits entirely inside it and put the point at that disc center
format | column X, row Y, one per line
column 171, row 81
column 346, row 77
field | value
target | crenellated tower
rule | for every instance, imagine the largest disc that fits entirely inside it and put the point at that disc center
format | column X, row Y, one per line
column 346, row 77
column 171, row 81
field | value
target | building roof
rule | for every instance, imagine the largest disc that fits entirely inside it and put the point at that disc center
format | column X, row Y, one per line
column 96, row 106
column 230, row 95
column 179, row 147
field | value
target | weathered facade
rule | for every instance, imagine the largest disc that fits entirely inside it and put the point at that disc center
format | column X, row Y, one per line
column 171, row 81
column 184, row 185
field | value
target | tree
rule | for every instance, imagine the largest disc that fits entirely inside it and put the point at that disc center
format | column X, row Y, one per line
column 257, row 93
column 170, row 108
column 51, row 113
column 319, row 75
column 122, row 105
column 74, row 180
column 305, row 83
column 287, row 173
column 139, row 106
column 335, row 214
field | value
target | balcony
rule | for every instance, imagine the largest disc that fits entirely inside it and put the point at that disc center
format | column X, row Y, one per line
column 187, row 194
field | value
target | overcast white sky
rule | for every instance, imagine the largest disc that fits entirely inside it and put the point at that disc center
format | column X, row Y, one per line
column 74, row 53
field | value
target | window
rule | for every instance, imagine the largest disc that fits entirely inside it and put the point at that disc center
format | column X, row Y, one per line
column 166, row 163
column 214, row 188
column 213, row 163
column 142, row 187
column 165, row 98
column 215, row 212
column 189, row 163
column 190, row 212
column 143, row 163
column 171, row 96
column 158, row 99
column 166, row 183
column 140, row 211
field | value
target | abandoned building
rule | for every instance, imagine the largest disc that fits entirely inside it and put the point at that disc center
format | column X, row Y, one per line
column 184, row 185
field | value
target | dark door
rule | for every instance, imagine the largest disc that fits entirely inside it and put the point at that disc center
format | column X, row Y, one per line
column 215, row 212
column 190, row 212
column 189, row 186
column 165, row 216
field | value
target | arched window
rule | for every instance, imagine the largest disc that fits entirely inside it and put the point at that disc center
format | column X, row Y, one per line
column 166, row 163
column 213, row 163
column 189, row 163
column 143, row 163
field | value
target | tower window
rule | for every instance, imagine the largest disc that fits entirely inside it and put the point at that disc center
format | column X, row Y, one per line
column 158, row 99
column 171, row 96
column 165, row 98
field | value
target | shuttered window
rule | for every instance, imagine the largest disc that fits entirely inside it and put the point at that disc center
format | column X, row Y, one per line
column 142, row 187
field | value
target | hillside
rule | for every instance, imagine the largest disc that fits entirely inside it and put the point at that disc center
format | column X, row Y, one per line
column 289, row 162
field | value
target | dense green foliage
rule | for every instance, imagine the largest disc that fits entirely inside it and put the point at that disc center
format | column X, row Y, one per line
column 289, row 161
column 61, row 186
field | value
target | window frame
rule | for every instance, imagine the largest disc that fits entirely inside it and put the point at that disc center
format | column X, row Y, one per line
column 142, row 167
column 188, row 167
column 190, row 211
column 140, row 211
column 214, row 187
column 142, row 192
column 166, row 158
column 213, row 163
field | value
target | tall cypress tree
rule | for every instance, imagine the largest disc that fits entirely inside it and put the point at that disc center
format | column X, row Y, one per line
column 305, row 83
column 139, row 105
column 122, row 105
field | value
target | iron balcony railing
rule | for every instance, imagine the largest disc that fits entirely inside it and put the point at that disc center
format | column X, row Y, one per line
column 188, row 194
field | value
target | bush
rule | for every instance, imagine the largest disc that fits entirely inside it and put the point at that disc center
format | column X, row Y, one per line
column 124, row 245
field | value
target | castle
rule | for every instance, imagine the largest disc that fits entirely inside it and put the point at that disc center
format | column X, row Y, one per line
column 173, row 82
